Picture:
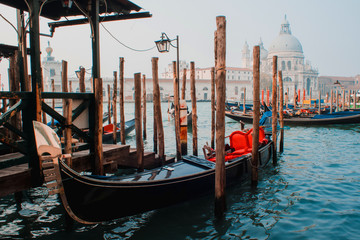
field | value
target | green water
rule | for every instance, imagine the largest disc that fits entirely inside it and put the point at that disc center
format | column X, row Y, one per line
column 313, row 193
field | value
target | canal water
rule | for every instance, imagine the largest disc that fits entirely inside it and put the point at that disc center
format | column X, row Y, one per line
column 312, row 193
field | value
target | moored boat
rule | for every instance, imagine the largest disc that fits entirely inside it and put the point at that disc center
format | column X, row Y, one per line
column 345, row 117
column 91, row 198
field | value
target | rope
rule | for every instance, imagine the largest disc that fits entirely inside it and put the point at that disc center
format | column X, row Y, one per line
column 133, row 49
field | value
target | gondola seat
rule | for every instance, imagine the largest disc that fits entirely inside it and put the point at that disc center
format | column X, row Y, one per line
column 241, row 143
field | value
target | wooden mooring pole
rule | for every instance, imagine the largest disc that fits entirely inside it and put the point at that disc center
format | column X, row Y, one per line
column 98, row 127
column 121, row 101
column 114, row 110
column 183, row 88
column 68, row 131
column 274, row 109
column 319, row 101
column 213, row 108
column 139, row 141
column 177, row 112
column 220, row 173
column 82, row 80
column 144, row 105
column 109, row 103
column 331, row 100
column 256, row 116
column 156, row 115
column 193, row 108
column 244, row 101
column 281, row 112
column 53, row 101
column 159, row 134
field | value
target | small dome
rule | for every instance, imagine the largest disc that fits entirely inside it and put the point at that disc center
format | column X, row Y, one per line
column 49, row 49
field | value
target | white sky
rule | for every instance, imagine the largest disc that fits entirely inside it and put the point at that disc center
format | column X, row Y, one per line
column 328, row 30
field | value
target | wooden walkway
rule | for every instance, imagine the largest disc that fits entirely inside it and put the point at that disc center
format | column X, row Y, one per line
column 18, row 177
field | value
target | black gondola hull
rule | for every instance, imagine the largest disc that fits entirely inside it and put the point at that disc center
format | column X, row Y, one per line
column 96, row 200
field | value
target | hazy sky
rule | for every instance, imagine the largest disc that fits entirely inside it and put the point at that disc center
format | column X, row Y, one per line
column 328, row 30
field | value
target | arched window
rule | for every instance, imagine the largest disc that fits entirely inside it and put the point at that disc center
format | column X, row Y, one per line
column 236, row 90
column 283, row 65
column 289, row 65
column 205, row 89
column 287, row 79
column 161, row 88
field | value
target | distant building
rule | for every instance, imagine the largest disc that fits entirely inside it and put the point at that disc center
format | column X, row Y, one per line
column 297, row 73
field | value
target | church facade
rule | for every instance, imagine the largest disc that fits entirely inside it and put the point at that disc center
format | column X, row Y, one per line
column 297, row 72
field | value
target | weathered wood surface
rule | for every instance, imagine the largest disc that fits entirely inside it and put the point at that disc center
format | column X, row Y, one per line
column 193, row 108
column 220, row 174
column 274, row 107
column 139, row 140
column 256, row 115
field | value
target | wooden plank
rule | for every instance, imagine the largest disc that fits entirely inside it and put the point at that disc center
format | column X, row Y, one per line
column 14, row 179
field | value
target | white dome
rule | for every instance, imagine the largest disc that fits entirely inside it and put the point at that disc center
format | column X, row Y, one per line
column 285, row 42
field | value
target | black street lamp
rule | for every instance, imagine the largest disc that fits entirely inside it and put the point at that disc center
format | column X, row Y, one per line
column 163, row 45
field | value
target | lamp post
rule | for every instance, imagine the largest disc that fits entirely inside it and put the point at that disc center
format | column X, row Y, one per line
column 163, row 45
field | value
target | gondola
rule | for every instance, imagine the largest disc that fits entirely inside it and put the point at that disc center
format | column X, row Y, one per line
column 346, row 117
column 108, row 131
column 92, row 199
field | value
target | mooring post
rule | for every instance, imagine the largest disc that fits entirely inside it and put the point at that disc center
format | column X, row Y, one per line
column 114, row 108
column 64, row 84
column 268, row 96
column 349, row 98
column 144, row 105
column 213, row 108
column 177, row 112
column 183, row 127
column 109, row 103
column 281, row 112
column 295, row 98
column 53, row 101
column 220, row 174
column 331, row 100
column 159, row 134
column 193, row 108
column 274, row 109
column 183, row 88
column 303, row 98
column 82, row 80
column 68, row 132
column 319, row 101
column 287, row 98
column 244, row 100
column 139, row 141
column 310, row 98
column 256, row 116
column 98, row 129
column 183, row 117
column 343, row 100
column 336, row 101
column 121, row 101
column 213, row 97
column 156, row 115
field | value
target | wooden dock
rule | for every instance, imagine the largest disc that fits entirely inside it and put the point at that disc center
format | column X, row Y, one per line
column 16, row 178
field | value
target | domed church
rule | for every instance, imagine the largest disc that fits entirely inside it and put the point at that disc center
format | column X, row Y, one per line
column 297, row 73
